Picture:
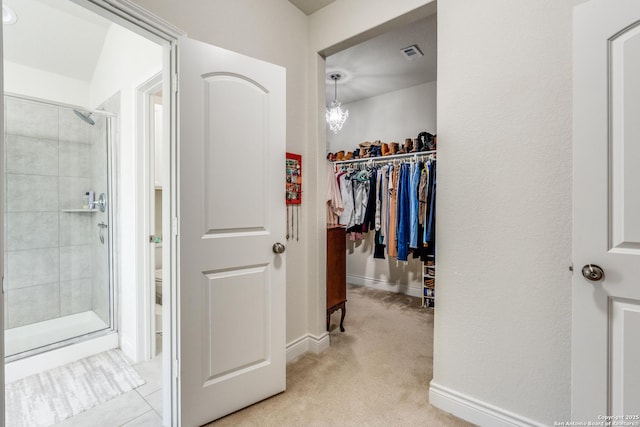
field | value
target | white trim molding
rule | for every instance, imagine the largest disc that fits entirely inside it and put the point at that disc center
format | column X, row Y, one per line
column 305, row 344
column 474, row 410
column 384, row 285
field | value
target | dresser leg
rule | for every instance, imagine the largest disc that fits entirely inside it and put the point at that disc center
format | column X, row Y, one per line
column 344, row 312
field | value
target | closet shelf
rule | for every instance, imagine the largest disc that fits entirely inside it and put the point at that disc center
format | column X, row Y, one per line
column 386, row 159
column 80, row 210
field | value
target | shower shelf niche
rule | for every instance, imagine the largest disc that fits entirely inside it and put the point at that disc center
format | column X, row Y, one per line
column 80, row 210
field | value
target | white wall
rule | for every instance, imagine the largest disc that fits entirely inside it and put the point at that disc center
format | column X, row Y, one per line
column 274, row 31
column 126, row 61
column 24, row 80
column 392, row 116
column 502, row 326
column 389, row 117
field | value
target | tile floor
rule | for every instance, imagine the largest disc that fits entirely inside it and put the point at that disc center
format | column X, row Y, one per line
column 141, row 407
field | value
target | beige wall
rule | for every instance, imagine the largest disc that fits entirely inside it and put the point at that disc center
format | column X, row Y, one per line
column 502, row 327
column 274, row 31
column 504, row 210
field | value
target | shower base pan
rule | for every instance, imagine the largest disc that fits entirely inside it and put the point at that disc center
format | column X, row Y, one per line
column 41, row 334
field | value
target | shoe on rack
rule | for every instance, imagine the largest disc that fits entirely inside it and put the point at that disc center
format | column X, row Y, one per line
column 408, row 145
column 417, row 146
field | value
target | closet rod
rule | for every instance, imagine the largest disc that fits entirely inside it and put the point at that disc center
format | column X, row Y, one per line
column 385, row 158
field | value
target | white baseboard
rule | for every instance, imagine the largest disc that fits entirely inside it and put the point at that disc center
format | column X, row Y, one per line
column 305, row 344
column 384, row 285
column 129, row 350
column 474, row 410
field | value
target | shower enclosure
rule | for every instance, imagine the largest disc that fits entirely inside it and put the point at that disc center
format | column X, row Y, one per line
column 58, row 274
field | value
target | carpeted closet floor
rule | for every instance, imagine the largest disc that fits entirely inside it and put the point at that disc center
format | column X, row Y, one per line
column 374, row 374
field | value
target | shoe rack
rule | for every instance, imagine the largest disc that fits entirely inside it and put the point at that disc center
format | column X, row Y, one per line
column 429, row 282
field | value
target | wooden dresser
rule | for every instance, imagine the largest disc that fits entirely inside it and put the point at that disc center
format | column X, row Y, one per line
column 336, row 273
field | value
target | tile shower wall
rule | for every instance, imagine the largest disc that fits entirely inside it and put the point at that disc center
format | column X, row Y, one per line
column 49, row 252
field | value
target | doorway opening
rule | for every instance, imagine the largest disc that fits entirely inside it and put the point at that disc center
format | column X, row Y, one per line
column 72, row 98
column 391, row 99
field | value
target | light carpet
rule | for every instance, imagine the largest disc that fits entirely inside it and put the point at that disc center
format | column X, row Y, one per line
column 376, row 373
column 49, row 397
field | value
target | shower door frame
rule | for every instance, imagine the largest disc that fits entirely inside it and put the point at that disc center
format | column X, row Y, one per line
column 111, row 234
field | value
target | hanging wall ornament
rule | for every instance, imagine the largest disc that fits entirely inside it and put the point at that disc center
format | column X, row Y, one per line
column 293, row 193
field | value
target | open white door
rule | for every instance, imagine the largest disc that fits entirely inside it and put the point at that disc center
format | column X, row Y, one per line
column 231, row 185
column 606, row 162
column 2, row 236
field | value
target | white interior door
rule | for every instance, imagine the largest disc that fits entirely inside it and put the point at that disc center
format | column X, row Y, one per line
column 606, row 144
column 231, row 185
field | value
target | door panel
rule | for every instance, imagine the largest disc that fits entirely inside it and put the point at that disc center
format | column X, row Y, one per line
column 624, row 66
column 232, row 285
column 239, row 297
column 625, row 354
column 236, row 110
column 606, row 313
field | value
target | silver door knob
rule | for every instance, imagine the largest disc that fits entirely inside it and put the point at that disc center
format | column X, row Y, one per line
column 278, row 248
column 592, row 272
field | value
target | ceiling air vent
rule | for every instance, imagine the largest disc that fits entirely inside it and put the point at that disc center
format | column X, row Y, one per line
column 412, row 52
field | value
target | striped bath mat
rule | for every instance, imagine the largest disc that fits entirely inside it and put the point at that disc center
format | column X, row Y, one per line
column 49, row 397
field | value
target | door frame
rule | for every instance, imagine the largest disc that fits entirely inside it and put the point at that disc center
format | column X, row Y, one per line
column 145, row 159
column 142, row 22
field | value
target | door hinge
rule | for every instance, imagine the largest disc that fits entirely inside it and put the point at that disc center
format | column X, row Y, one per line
column 175, row 82
column 174, row 226
column 176, row 366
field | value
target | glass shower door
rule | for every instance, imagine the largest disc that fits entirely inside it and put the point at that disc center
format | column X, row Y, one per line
column 57, row 246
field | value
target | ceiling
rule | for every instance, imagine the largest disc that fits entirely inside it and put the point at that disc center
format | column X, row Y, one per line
column 378, row 66
column 310, row 6
column 64, row 38
column 55, row 35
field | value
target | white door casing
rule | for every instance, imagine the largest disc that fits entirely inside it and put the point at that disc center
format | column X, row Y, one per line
column 606, row 219
column 231, row 183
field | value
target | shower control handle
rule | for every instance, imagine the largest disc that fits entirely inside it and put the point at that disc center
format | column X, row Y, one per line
column 100, row 203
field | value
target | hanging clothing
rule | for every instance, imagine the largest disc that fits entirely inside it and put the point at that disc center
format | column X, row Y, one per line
column 404, row 219
column 396, row 202
column 413, row 204
column 360, row 185
column 392, row 248
column 346, row 192
column 369, row 222
column 422, row 194
column 334, row 198
column 430, row 229
column 384, row 203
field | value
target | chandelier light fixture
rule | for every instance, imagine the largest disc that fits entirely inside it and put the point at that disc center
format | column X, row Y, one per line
column 335, row 114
